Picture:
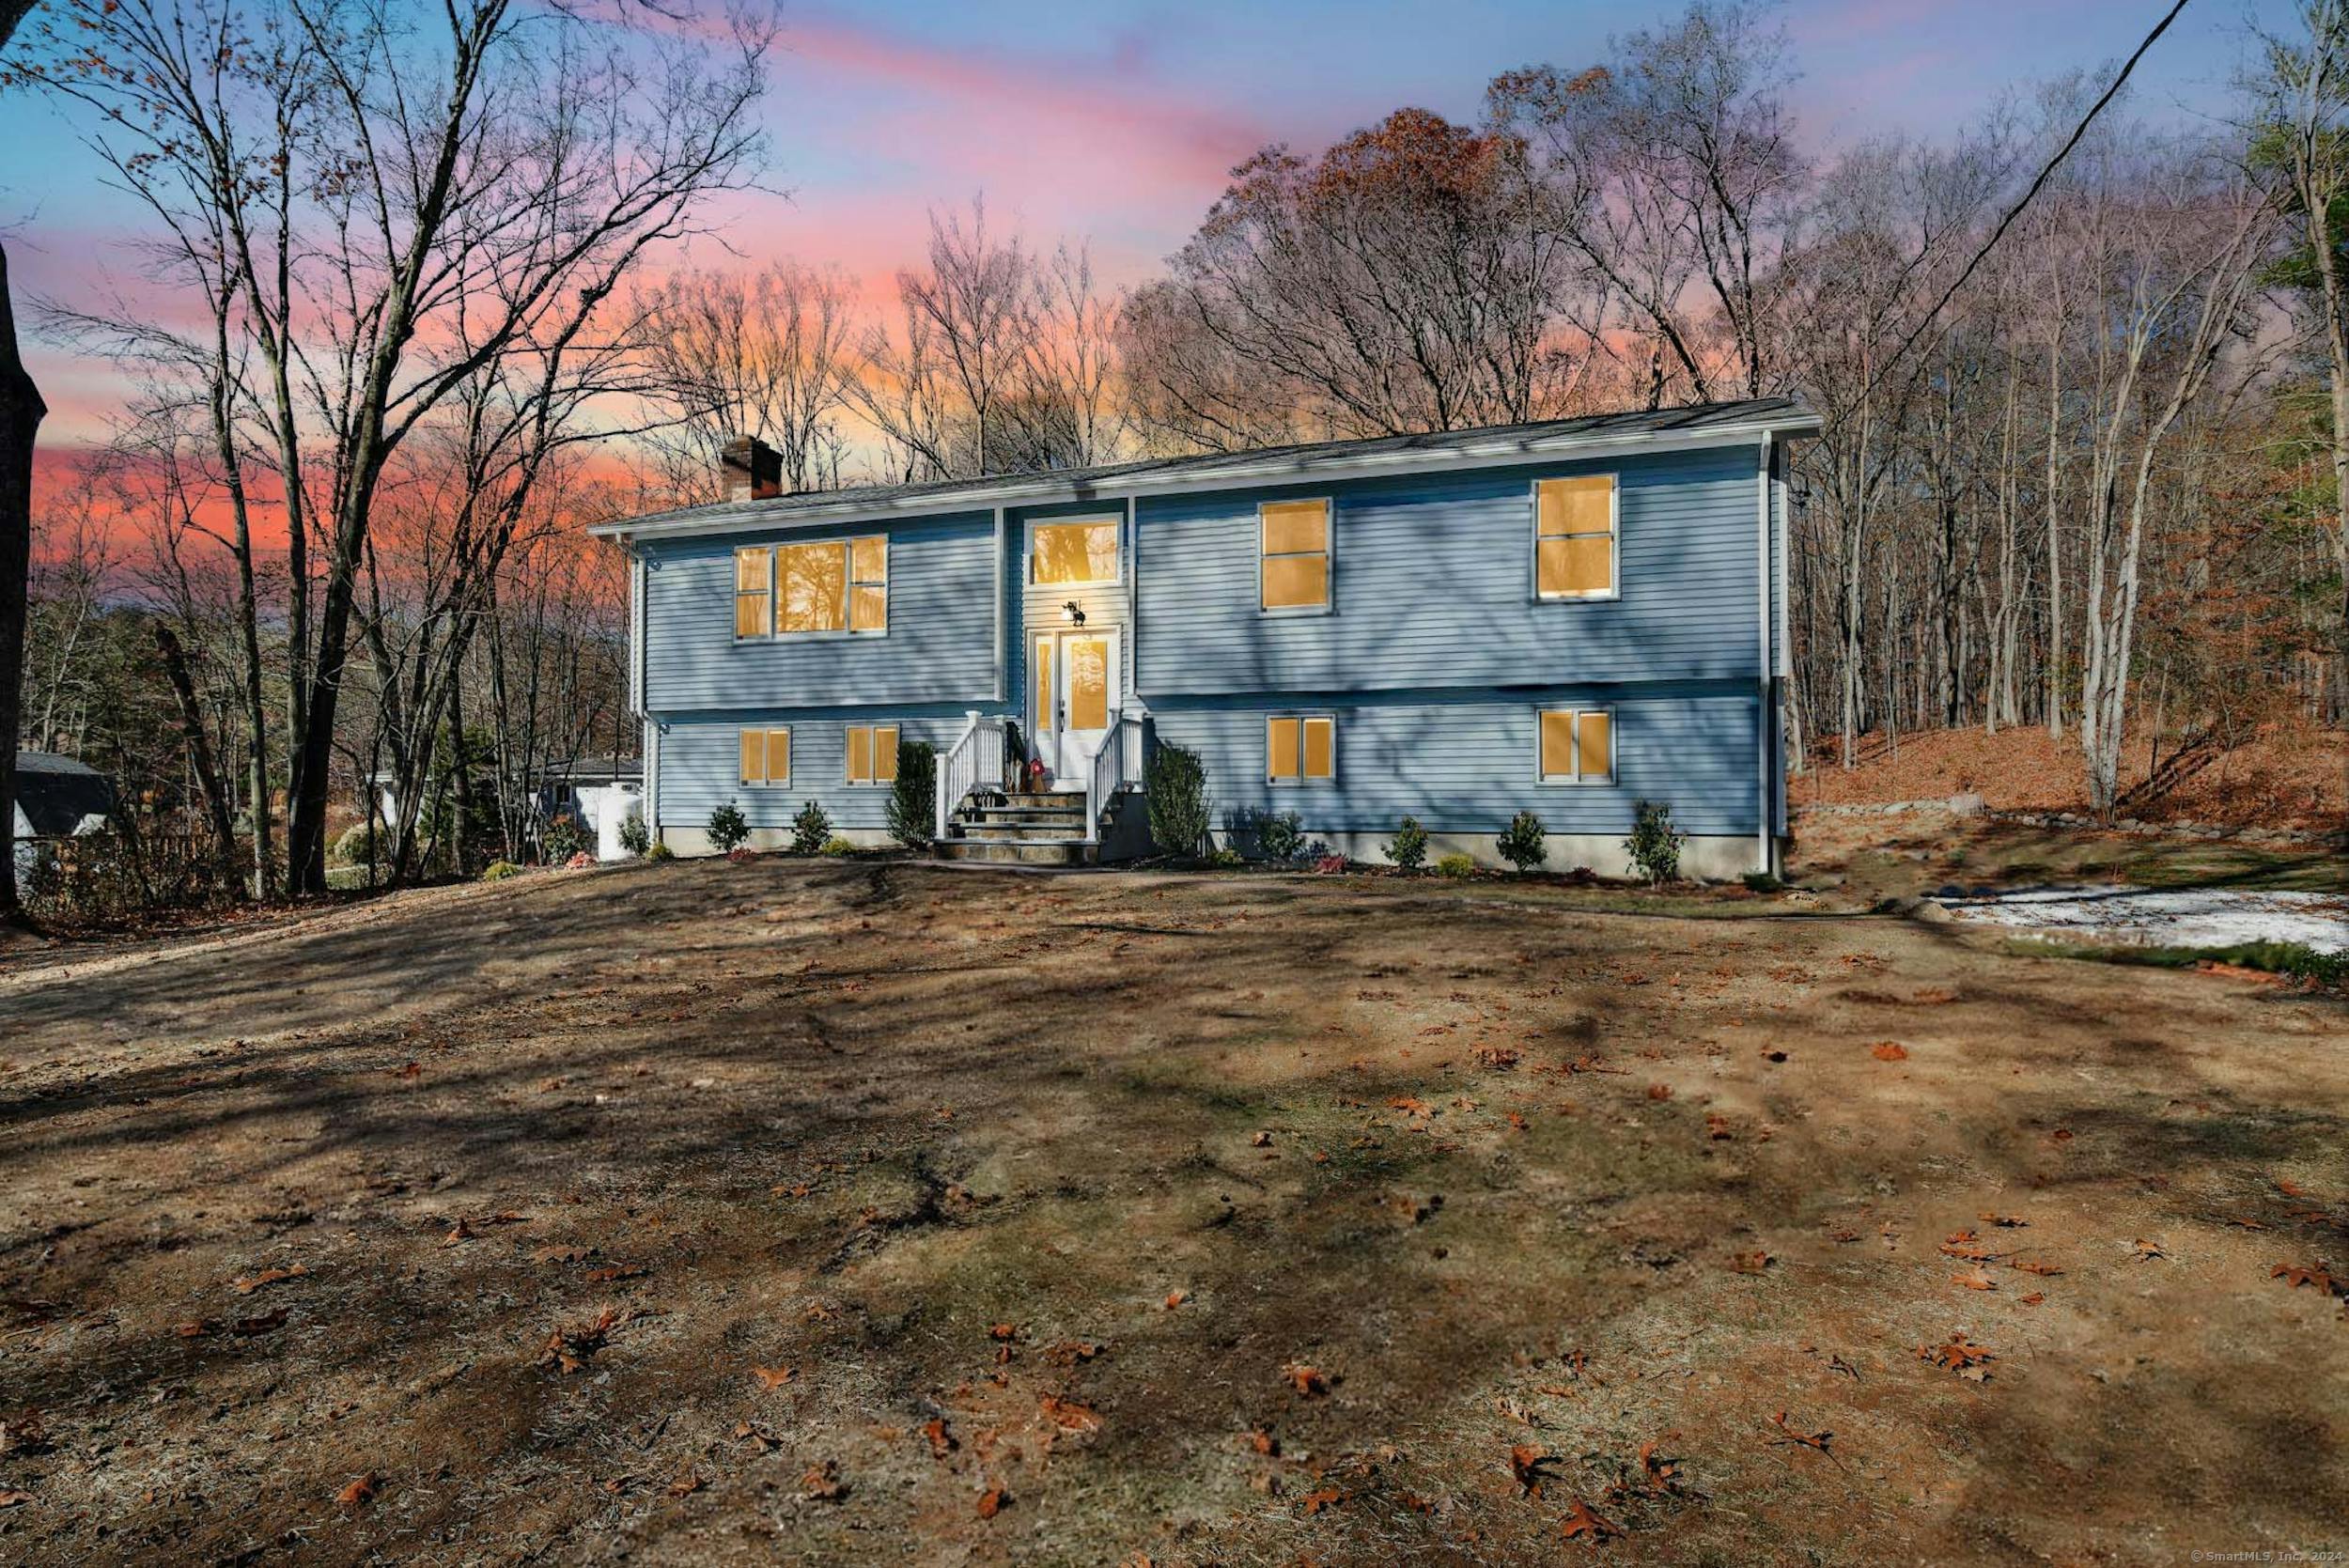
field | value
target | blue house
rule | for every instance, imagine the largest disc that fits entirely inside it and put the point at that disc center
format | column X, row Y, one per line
column 1567, row 617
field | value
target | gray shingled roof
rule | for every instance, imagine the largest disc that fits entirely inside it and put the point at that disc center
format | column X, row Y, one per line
column 55, row 792
column 1540, row 438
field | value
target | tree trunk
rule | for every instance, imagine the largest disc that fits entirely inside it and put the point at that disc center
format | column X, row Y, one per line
column 2316, row 175
column 21, row 413
column 199, row 750
column 2055, row 552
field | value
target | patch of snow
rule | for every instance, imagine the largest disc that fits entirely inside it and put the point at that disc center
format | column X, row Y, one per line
column 2170, row 917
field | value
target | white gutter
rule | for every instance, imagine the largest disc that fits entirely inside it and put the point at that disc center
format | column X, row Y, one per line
column 1042, row 489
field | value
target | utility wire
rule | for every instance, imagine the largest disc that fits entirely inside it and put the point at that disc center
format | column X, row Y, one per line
column 2045, row 175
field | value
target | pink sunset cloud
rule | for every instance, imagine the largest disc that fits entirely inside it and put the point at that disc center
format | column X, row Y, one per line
column 1111, row 108
column 1061, row 147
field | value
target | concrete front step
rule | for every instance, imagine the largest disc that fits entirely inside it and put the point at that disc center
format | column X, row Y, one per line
column 1046, row 797
column 1068, row 828
column 1023, row 853
column 1029, row 814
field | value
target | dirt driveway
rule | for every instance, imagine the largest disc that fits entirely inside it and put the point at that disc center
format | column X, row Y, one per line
column 848, row 1213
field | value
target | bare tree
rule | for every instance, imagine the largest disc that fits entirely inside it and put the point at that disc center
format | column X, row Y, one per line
column 2301, row 133
column 449, row 185
column 771, row 355
column 1674, row 177
column 2176, row 260
column 1405, row 280
column 1062, row 411
column 942, row 389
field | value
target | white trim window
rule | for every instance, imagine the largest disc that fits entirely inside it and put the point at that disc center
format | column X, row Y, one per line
column 1293, row 557
column 1074, row 552
column 766, row 759
column 872, row 756
column 1301, row 749
column 1576, row 528
column 1576, row 745
column 813, row 588
column 754, row 592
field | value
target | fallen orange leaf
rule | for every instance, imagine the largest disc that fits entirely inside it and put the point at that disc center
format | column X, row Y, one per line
column 267, row 1277
column 1808, row 1439
column 2297, row 1275
column 1527, row 1464
column 1583, row 1525
column 1069, row 1416
column 1960, row 1356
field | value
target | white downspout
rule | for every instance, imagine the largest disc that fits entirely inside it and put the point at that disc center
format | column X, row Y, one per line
column 1761, row 647
column 1132, row 639
column 639, row 615
column 1002, row 587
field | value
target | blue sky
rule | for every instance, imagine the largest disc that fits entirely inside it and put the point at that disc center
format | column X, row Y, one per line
column 1114, row 122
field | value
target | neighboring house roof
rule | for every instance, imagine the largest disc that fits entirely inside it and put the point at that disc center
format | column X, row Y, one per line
column 592, row 770
column 56, row 793
column 580, row 770
column 1605, row 434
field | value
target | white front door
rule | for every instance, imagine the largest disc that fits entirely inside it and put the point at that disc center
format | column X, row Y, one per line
column 1075, row 684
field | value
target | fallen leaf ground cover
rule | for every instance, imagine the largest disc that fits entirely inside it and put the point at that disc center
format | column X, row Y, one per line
column 2284, row 775
column 881, row 1212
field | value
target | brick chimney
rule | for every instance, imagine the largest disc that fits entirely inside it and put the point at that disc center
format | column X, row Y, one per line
column 750, row 469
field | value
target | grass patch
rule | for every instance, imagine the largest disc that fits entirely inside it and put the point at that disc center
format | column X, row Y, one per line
column 2238, row 866
column 2297, row 959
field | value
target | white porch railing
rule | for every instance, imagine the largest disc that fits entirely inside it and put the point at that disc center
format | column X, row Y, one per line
column 975, row 761
column 1115, row 763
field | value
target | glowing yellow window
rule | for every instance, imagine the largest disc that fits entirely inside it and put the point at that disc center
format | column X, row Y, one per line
column 1574, row 545
column 1300, row 751
column 868, row 583
column 1577, row 746
column 872, row 754
column 1295, row 544
column 766, row 757
column 812, row 587
column 753, row 592
column 1074, row 552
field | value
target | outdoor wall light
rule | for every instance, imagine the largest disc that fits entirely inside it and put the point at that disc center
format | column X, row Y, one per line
column 1070, row 614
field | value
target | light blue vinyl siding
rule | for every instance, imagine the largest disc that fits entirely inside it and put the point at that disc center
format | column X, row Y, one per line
column 701, row 767
column 1434, row 586
column 939, row 647
column 1467, row 762
column 1435, row 660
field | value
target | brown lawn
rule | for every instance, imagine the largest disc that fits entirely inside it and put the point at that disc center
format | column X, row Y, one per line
column 874, row 1212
